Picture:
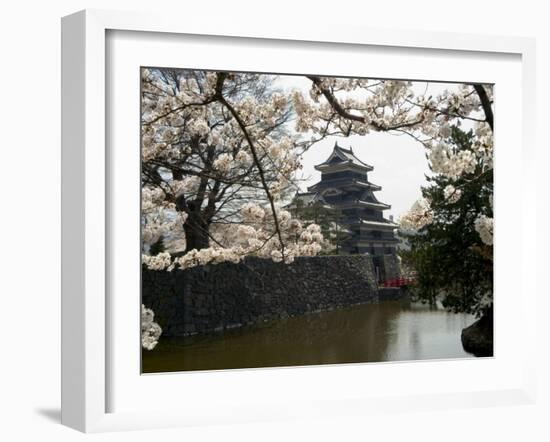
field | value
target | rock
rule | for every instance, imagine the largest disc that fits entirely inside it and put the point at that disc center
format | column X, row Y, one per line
column 478, row 337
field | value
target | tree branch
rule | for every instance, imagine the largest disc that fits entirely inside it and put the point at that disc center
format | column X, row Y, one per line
column 339, row 109
column 485, row 104
column 219, row 85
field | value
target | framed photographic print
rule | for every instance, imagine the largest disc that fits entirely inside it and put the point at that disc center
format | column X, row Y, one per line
column 250, row 214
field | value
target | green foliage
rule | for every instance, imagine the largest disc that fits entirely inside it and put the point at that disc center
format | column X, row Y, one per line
column 451, row 262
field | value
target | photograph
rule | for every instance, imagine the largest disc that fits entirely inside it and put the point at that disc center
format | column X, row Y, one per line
column 275, row 223
column 303, row 219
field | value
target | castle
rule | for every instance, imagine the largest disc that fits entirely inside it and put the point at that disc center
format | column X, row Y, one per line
column 345, row 187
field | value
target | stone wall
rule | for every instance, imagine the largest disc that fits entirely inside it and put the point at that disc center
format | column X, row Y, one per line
column 223, row 296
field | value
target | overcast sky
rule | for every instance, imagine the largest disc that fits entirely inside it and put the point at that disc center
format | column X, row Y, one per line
column 399, row 161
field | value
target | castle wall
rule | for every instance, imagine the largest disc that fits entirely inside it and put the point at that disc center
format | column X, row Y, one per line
column 223, row 296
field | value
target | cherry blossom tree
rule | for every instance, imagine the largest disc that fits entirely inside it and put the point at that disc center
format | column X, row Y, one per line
column 211, row 143
column 343, row 107
column 220, row 151
column 339, row 106
column 150, row 330
column 212, row 140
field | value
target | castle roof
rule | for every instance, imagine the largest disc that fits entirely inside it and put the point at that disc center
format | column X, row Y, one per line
column 307, row 199
column 383, row 224
column 341, row 156
column 345, row 182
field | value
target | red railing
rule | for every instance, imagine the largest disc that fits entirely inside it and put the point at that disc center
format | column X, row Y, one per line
column 397, row 282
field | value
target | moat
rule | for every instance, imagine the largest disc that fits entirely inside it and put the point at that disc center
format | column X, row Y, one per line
column 388, row 331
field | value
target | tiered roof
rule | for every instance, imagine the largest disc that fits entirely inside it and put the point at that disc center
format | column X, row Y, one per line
column 341, row 160
column 344, row 184
column 341, row 156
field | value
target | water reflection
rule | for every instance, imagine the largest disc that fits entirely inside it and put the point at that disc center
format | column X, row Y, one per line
column 389, row 331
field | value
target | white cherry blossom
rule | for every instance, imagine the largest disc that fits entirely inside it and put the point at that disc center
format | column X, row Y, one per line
column 150, row 330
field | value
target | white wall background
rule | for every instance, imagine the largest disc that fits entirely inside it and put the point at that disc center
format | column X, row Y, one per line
column 30, row 220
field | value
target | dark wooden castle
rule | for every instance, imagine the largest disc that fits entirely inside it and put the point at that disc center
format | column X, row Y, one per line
column 345, row 186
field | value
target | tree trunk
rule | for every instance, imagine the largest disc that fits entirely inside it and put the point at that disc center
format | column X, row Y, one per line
column 196, row 232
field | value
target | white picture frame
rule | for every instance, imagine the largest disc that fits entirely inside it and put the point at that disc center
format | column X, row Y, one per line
column 85, row 236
